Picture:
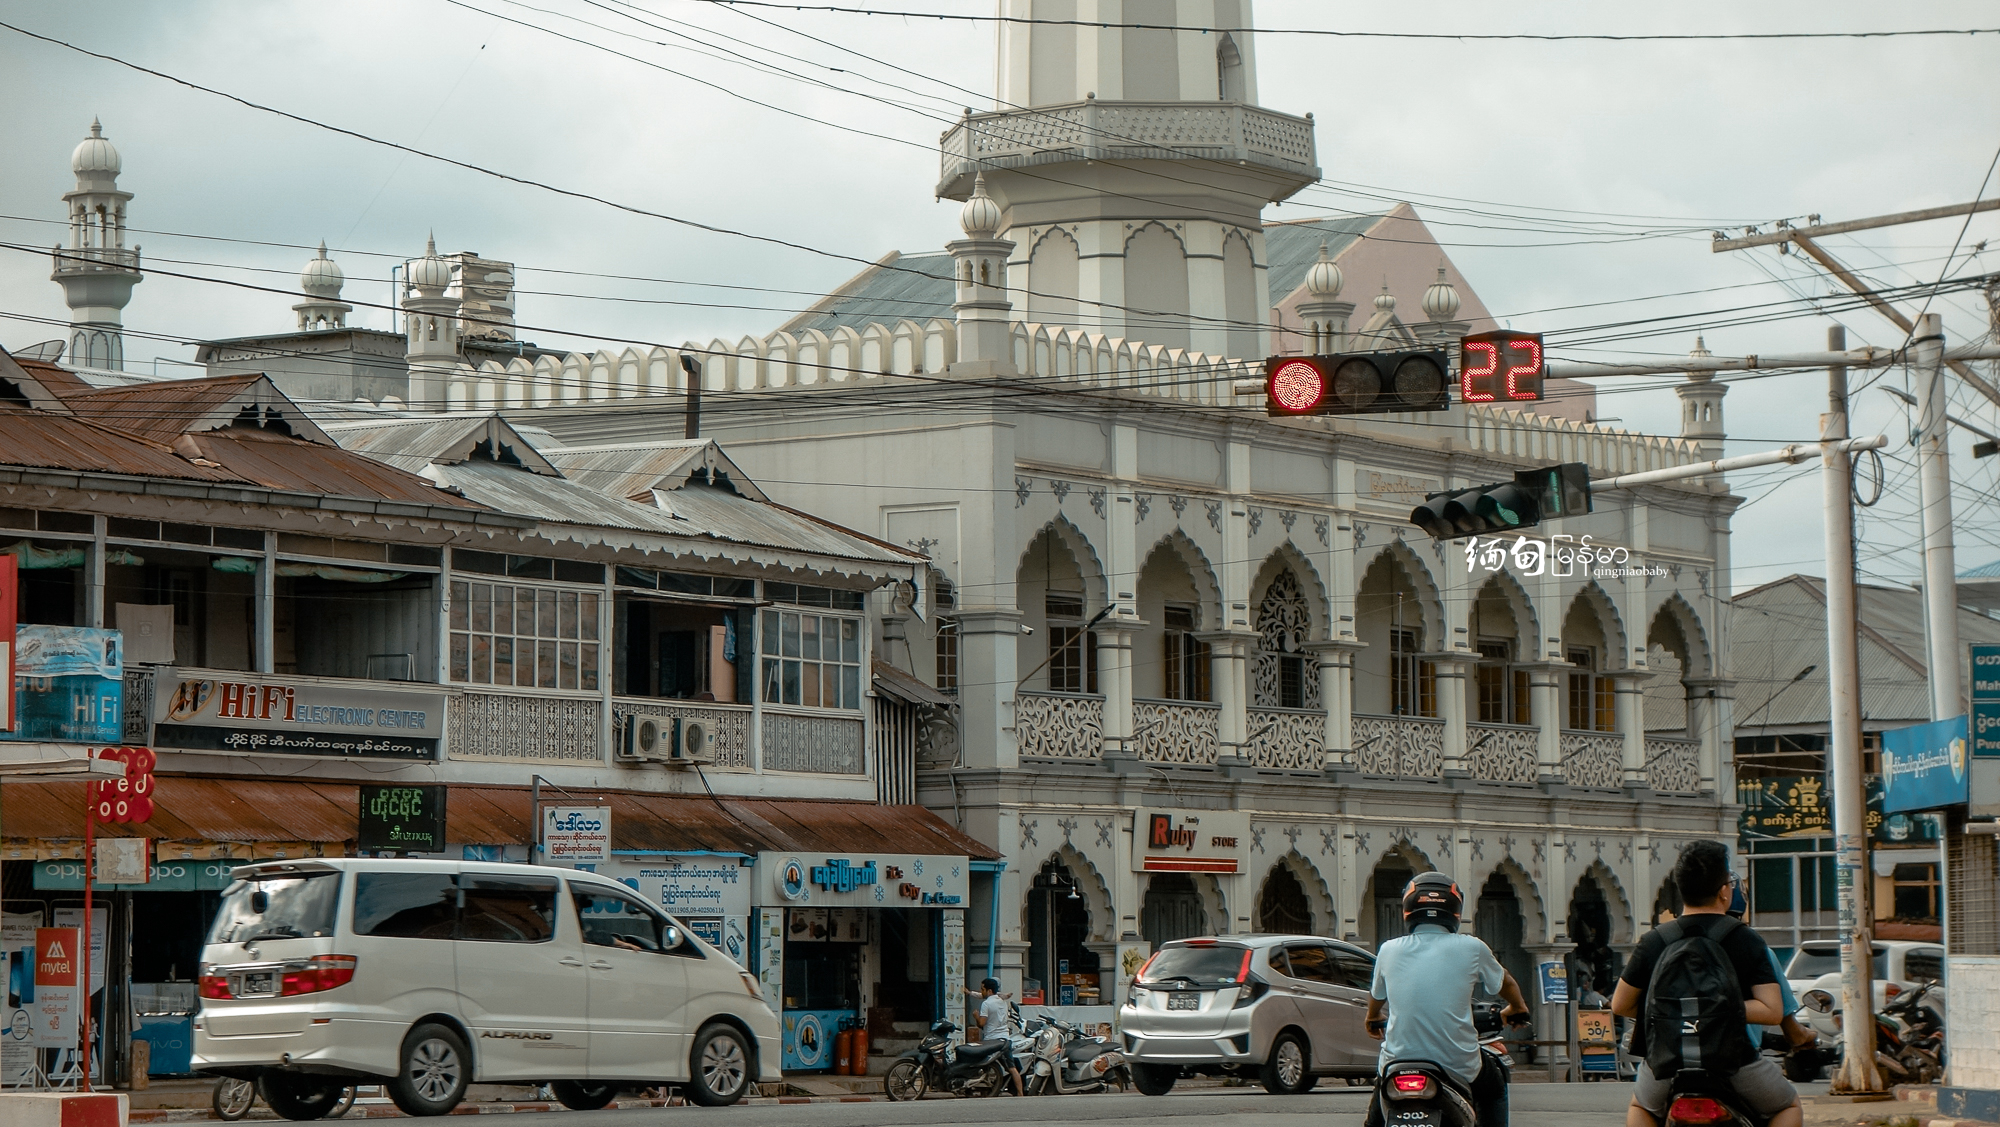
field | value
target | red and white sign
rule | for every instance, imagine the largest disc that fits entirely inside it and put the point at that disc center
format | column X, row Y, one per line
column 58, row 962
column 129, row 799
column 1190, row 841
column 9, row 612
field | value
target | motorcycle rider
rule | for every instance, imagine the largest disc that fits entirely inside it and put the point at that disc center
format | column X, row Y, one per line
column 1427, row 979
column 1703, row 877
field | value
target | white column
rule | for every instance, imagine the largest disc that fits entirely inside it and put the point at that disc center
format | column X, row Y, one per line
column 1336, row 692
column 1100, row 277
column 1347, row 893
column 1546, row 712
column 1451, row 670
column 1629, row 704
column 1114, row 680
column 1208, row 303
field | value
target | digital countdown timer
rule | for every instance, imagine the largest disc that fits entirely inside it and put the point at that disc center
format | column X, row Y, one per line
column 1500, row 368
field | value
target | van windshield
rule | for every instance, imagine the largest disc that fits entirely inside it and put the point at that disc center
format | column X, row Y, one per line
column 292, row 906
column 1201, row 966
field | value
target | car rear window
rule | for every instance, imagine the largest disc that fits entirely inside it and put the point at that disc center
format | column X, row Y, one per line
column 288, row 907
column 1204, row 966
column 1921, row 966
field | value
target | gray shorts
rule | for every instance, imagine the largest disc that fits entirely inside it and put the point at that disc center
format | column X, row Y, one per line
column 1761, row 1084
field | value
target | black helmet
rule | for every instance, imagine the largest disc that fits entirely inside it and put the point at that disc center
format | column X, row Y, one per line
column 1432, row 898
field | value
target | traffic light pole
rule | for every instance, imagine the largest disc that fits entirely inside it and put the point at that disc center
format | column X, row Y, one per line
column 1795, row 453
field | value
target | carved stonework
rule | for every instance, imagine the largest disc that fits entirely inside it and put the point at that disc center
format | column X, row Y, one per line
column 508, row 726
column 1592, row 760
column 1059, row 725
column 1503, row 754
column 1176, row 732
column 1022, row 488
column 1673, row 766
column 1399, row 745
column 1320, row 529
column 1097, row 500
column 1284, row 625
column 1296, row 741
column 828, row 745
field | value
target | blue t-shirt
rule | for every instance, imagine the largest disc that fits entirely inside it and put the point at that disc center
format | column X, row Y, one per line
column 1428, row 978
column 1791, row 1001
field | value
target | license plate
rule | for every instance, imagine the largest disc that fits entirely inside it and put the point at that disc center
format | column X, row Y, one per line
column 257, row 983
column 1183, row 1001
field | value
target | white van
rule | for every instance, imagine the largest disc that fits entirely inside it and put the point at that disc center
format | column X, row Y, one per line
column 426, row 976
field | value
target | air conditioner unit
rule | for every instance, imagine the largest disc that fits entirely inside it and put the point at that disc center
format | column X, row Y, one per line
column 690, row 743
column 646, row 739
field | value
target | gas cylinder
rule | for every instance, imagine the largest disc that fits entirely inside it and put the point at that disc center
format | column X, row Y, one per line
column 859, row 1066
column 843, row 1052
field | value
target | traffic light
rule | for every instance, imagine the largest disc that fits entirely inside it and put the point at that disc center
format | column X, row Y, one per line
column 1508, row 506
column 1500, row 367
column 1361, row 383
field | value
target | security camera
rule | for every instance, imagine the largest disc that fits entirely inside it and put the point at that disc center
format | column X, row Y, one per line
column 1026, row 629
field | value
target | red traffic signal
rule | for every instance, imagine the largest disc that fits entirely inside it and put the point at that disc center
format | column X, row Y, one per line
column 1500, row 367
column 1356, row 384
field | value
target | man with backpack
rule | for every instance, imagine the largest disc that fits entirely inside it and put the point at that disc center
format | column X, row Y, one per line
column 1691, row 986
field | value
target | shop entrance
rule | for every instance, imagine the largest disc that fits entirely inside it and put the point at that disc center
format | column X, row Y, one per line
column 1060, row 967
column 823, row 952
column 906, row 982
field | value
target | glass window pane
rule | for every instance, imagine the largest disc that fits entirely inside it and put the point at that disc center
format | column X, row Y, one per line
column 524, row 611
column 850, row 640
column 460, row 605
column 809, row 635
column 810, row 683
column 791, row 682
column 850, row 686
column 587, row 615
column 566, row 604
column 791, row 635
column 503, row 660
column 566, row 656
column 503, row 610
column 545, row 664
column 829, row 693
column 460, row 651
column 770, row 631
column 771, row 678
column 482, row 607
column 405, row 905
column 482, row 659
column 545, row 614
column 587, row 665
column 508, row 909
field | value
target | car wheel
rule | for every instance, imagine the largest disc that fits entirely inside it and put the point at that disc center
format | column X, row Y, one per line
column 904, row 1081
column 1154, row 1079
column 719, row 1066
column 433, row 1073
column 296, row 1096
column 1289, row 1071
column 577, row 1095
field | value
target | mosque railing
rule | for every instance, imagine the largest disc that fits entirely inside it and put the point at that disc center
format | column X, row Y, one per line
column 1503, row 753
column 1286, row 739
column 1673, row 766
column 1409, row 747
column 1595, row 760
column 1118, row 130
column 1059, row 725
column 1176, row 731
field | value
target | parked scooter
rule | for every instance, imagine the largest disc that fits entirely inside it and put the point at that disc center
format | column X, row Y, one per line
column 1064, row 1060
column 975, row 1069
column 1909, row 1035
column 1422, row 1094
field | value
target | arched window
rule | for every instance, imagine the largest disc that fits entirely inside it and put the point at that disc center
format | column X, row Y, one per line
column 1286, row 675
column 1229, row 72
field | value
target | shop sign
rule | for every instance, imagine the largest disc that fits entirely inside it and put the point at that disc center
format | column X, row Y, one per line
column 691, row 886
column 165, row 876
column 58, row 960
column 1800, row 806
column 884, row 880
column 572, row 834
column 1554, row 978
column 295, row 716
column 405, row 819
column 1985, row 717
column 68, row 685
column 17, row 1020
column 10, row 601
column 1924, row 766
column 1190, row 841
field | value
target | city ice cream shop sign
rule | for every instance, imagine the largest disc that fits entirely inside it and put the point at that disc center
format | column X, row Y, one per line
column 934, row 881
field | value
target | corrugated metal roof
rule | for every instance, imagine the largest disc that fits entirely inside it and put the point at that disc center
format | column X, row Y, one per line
column 1290, row 249
column 39, row 440
column 901, row 287
column 277, row 462
column 1779, row 629
column 1983, row 571
column 247, row 809
column 165, row 410
column 634, row 470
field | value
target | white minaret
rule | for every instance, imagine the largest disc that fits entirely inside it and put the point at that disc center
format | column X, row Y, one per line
column 430, row 327
column 1132, row 166
column 96, row 270
column 1701, row 406
column 979, row 267
column 321, row 280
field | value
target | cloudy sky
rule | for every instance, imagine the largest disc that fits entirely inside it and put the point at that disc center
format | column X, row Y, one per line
column 1573, row 182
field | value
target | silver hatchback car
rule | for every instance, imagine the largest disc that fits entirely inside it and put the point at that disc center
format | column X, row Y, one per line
column 1287, row 1009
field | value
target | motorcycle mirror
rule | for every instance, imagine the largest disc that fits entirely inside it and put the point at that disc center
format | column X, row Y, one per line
column 1818, row 1001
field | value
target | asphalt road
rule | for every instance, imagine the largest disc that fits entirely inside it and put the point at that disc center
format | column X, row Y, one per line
column 1537, row 1105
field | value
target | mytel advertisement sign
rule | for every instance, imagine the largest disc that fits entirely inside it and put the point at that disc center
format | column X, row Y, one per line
column 295, row 716
column 1924, row 766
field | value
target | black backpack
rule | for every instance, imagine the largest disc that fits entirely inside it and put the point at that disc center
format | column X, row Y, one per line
column 1694, row 1005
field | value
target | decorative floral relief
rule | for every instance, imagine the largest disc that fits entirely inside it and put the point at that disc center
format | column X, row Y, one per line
column 1097, row 497
column 1255, row 517
column 1295, row 742
column 1321, row 529
column 1284, row 623
column 1175, row 732
column 1144, row 503
column 507, row 726
column 1592, row 760
column 1059, row 726
column 1673, row 766
column 1399, row 745
column 1214, row 514
column 1504, row 755
column 1022, row 488
column 1061, row 490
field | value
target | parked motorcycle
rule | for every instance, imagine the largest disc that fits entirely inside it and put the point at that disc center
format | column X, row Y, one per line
column 1909, row 1035
column 1421, row 1094
column 938, row 1065
column 1063, row 1060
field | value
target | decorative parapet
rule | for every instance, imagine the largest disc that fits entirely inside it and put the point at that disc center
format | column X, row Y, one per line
column 1176, row 731
column 1403, row 746
column 824, row 745
column 1503, row 753
column 516, row 727
column 728, row 728
column 1293, row 739
column 1594, row 760
column 1059, row 725
column 1106, row 130
column 1673, row 766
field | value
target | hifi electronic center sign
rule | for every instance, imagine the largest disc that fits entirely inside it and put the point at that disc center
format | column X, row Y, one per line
column 271, row 715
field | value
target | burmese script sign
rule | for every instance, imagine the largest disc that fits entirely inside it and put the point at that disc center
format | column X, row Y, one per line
column 206, row 711
column 405, row 819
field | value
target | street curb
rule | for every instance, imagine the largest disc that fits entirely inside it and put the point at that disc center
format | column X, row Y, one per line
column 205, row 1115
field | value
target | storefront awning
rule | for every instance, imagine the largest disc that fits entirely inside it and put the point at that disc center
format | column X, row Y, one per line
column 248, row 811
column 70, row 761
column 905, row 687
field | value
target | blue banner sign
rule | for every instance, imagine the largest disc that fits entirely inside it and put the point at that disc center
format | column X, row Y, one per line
column 1924, row 766
column 1985, row 672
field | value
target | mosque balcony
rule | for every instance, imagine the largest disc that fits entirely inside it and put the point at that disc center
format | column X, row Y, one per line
column 95, row 260
column 1229, row 132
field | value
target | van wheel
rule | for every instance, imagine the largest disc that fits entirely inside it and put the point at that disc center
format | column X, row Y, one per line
column 578, row 1096
column 296, row 1096
column 719, row 1066
column 1154, row 1079
column 433, row 1073
column 1289, row 1071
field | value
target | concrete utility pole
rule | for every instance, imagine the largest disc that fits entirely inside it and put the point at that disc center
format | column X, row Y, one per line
column 1843, row 677
column 1934, row 492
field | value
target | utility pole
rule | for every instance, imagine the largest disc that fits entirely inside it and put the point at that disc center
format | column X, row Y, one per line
column 1843, row 677
column 1934, row 492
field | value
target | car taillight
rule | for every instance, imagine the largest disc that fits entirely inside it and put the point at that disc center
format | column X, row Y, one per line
column 1411, row 1083
column 1243, row 972
column 1249, row 992
column 1891, row 990
column 321, row 972
column 214, row 986
column 1697, row 1109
